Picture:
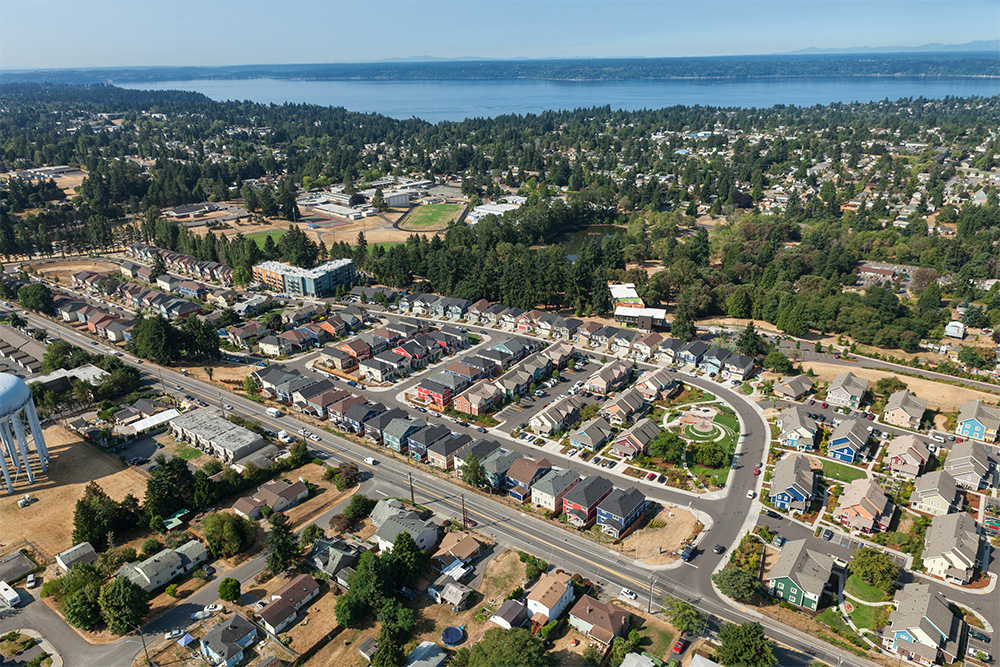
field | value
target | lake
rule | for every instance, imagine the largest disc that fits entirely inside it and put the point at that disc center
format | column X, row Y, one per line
column 436, row 101
column 574, row 241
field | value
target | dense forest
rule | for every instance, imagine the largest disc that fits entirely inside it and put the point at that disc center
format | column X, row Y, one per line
column 591, row 69
column 647, row 172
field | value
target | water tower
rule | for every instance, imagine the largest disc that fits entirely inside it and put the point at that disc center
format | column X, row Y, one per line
column 19, row 430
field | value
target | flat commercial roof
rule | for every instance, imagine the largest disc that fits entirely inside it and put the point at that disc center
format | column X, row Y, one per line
column 314, row 273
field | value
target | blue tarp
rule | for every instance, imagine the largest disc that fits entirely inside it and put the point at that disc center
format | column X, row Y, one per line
column 185, row 640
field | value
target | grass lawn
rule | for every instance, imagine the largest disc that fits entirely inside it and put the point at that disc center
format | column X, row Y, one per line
column 831, row 617
column 260, row 237
column 728, row 421
column 432, row 215
column 862, row 590
column 655, row 641
column 841, row 472
column 863, row 615
column 187, row 453
column 385, row 245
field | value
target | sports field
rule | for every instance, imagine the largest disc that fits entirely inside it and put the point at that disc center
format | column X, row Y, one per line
column 260, row 237
column 432, row 216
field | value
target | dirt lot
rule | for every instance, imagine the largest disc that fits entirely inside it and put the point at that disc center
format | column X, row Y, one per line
column 313, row 627
column 221, row 372
column 342, row 651
column 940, row 396
column 48, row 524
column 770, row 559
column 503, row 574
column 657, row 545
column 326, row 496
column 62, row 272
column 377, row 229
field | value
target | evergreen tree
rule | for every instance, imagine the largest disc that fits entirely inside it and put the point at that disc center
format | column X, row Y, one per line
column 284, row 547
column 123, row 604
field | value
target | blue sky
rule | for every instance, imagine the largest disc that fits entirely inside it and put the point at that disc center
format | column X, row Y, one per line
column 102, row 33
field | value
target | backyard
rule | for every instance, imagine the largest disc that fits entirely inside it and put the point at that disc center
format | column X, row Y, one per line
column 842, row 473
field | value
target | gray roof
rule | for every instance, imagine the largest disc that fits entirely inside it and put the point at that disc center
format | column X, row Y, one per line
column 952, row 533
column 400, row 429
column 213, row 428
column 851, row 383
column 430, row 434
column 481, row 448
column 500, row 461
column 384, row 509
column 630, row 401
column 332, row 555
column 810, row 570
column 853, row 430
column 223, row 637
column 428, row 654
column 967, row 456
column 792, row 471
column 986, row 415
column 555, row 482
column 903, row 400
column 449, row 445
column 796, row 386
column 79, row 553
column 795, row 417
column 622, row 502
column 404, row 522
column 593, row 432
column 919, row 607
column 940, row 481
column 588, row 492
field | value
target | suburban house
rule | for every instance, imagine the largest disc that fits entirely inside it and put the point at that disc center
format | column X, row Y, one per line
column 551, row 488
column 160, row 568
column 922, row 627
column 447, row 590
column 591, row 435
column 715, row 359
column 456, row 546
column 935, row 493
column 384, row 509
column 646, row 346
column 635, row 441
column 619, row 510
column 511, row 614
column 692, row 353
column 625, row 407
column 657, row 384
column 609, row 378
column 550, row 597
column 979, row 421
column 907, row 455
column 801, row 575
column 969, row 463
column 864, row 507
column 331, row 556
column 905, row 410
column 522, row 474
column 276, row 494
column 795, row 388
column 79, row 553
column 441, row 454
column 599, row 621
column 274, row 346
column 496, row 466
column 376, row 370
column 224, row 644
column 738, row 366
column 479, row 399
column 424, row 533
column 954, row 548
column 797, row 429
column 285, row 603
column 847, row 390
column 420, row 440
column 558, row 416
column 481, row 448
column 793, row 484
column 580, row 503
column 847, row 440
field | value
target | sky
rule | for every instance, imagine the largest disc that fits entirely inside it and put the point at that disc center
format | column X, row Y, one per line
column 42, row 34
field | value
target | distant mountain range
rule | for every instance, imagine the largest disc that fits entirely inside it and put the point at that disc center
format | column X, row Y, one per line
column 977, row 46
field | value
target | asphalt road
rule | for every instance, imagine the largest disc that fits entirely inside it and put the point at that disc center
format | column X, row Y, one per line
column 508, row 526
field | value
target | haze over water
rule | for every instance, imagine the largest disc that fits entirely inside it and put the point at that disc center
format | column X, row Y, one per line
column 435, row 101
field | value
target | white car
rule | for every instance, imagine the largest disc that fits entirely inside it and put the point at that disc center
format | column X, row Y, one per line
column 302, row 431
column 370, row 460
column 173, row 633
column 314, row 437
column 212, row 608
column 629, row 593
column 751, row 493
column 200, row 615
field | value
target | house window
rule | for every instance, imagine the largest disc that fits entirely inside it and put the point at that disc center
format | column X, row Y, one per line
column 781, row 585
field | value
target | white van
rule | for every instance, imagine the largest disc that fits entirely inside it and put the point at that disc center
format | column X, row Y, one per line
column 9, row 594
column 273, row 412
column 370, row 460
column 284, row 437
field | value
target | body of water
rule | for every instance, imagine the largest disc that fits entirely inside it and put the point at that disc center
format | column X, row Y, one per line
column 436, row 101
column 575, row 241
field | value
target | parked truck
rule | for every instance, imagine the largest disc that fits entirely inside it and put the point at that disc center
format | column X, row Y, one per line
column 284, row 437
column 9, row 594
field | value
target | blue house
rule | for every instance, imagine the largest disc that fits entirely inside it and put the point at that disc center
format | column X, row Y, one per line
column 793, row 484
column 847, row 441
column 715, row 359
column 797, row 429
column 619, row 510
column 978, row 421
column 357, row 415
column 419, row 441
column 692, row 353
column 224, row 644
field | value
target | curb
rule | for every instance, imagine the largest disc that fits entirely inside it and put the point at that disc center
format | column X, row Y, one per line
column 45, row 645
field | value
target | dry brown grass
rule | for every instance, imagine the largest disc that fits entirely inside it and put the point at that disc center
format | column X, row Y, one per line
column 326, row 496
column 313, row 626
column 342, row 651
column 48, row 523
column 62, row 272
column 657, row 546
column 940, row 396
column 503, row 574
column 221, row 371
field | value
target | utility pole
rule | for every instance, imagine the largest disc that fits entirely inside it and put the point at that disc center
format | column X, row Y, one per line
column 142, row 637
column 409, row 476
column 465, row 519
column 649, row 607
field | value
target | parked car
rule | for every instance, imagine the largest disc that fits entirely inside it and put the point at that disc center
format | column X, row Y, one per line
column 470, row 522
column 680, row 646
column 751, row 493
column 651, row 476
column 629, row 593
column 31, row 581
column 212, row 608
column 975, row 634
column 825, row 406
column 827, row 534
column 173, row 634
column 756, row 471
column 719, row 548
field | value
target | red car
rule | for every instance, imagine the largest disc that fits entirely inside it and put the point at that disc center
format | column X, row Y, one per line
column 825, row 406
column 471, row 523
column 756, row 471
column 651, row 476
column 680, row 646
column 812, row 402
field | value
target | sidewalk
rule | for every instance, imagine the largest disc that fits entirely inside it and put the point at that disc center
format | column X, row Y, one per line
column 45, row 645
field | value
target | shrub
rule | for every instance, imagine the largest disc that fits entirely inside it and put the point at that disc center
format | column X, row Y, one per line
column 171, row 590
